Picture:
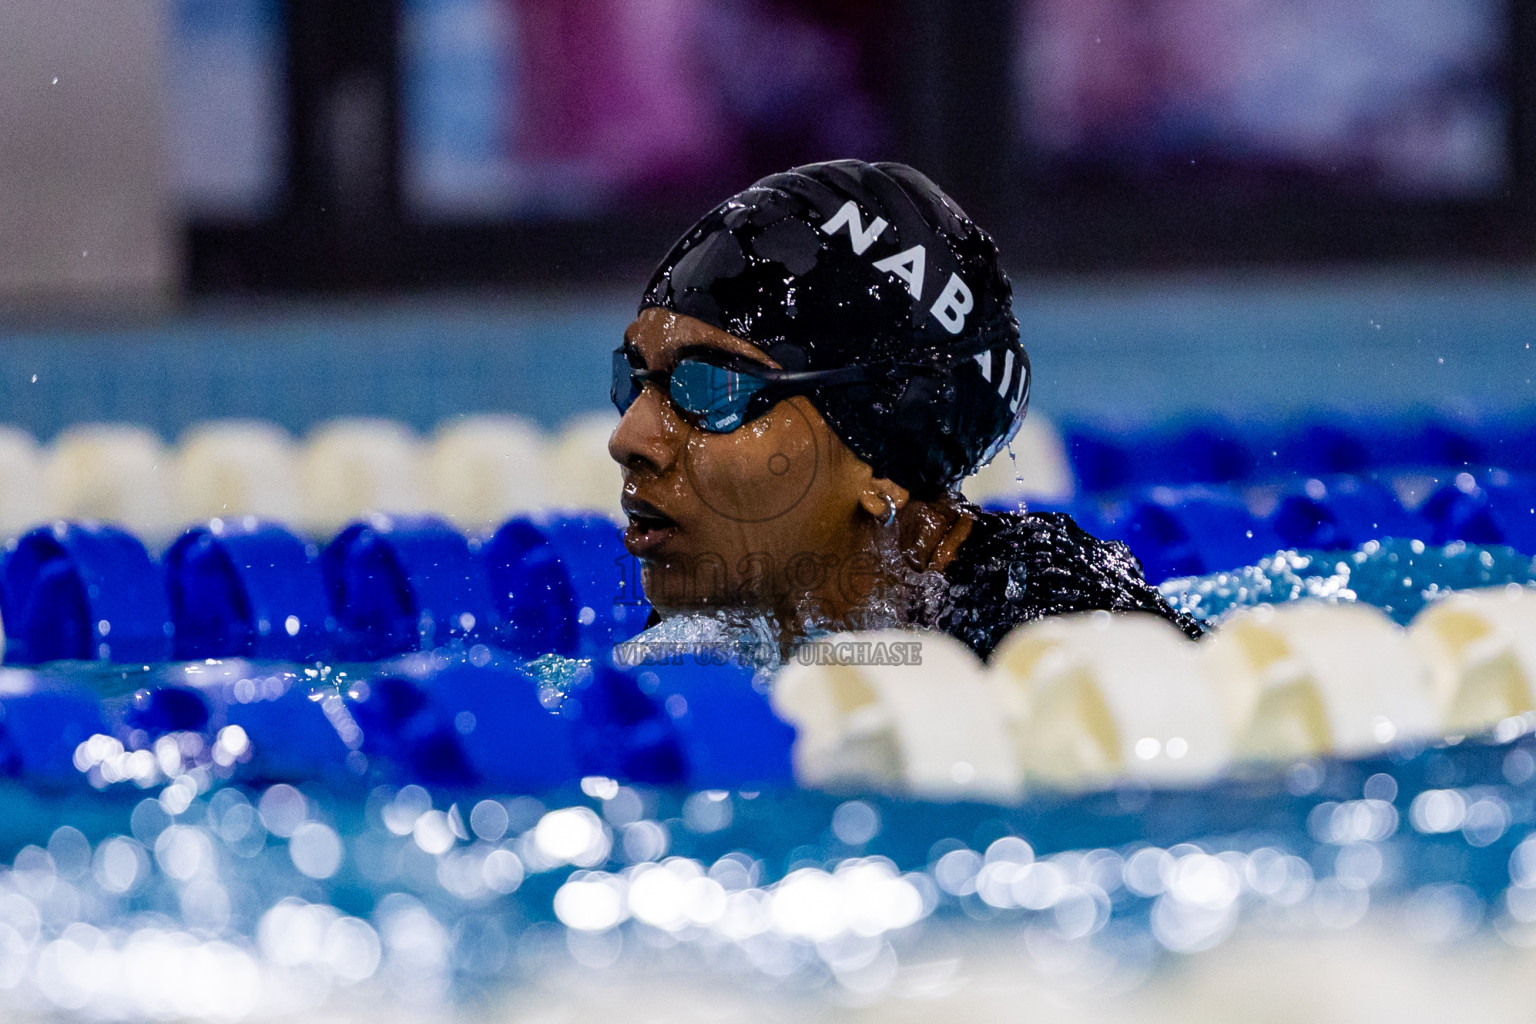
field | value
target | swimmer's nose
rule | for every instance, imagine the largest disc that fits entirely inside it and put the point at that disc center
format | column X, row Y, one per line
column 648, row 436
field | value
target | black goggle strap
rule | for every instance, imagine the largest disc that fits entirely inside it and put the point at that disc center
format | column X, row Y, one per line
column 779, row 381
column 784, row 383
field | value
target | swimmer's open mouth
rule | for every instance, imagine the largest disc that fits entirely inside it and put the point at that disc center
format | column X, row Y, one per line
column 649, row 526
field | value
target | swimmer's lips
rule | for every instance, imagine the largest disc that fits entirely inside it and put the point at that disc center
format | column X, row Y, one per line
column 649, row 527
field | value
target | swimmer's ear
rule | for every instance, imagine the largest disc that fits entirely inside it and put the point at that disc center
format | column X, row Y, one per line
column 883, row 498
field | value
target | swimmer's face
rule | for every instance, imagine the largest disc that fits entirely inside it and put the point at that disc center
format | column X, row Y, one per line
column 739, row 520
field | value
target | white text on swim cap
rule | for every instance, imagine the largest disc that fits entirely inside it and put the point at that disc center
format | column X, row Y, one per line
column 1006, row 378
column 910, row 266
column 953, row 303
column 848, row 216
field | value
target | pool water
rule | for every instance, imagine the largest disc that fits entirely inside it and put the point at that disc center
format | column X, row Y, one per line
column 254, row 898
column 1398, row 576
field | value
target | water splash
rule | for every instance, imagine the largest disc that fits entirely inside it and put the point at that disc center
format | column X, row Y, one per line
column 1398, row 576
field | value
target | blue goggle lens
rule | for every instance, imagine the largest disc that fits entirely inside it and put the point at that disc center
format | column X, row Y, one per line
column 712, row 397
column 715, row 397
column 624, row 387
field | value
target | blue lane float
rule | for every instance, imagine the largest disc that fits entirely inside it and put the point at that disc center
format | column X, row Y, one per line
column 1195, row 451
column 295, row 733
column 532, row 591
column 291, row 723
column 482, row 720
column 1445, row 439
column 83, row 592
column 471, row 720
column 1189, row 531
column 1101, row 459
column 1338, row 512
column 43, row 720
column 157, row 710
column 727, row 732
column 222, row 718
column 564, row 584
column 625, row 733
column 1109, row 456
column 404, row 584
column 1510, row 440
column 604, row 579
column 244, row 588
column 1322, row 446
column 1497, row 509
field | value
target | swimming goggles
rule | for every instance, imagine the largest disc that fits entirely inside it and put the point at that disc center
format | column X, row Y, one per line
column 718, row 392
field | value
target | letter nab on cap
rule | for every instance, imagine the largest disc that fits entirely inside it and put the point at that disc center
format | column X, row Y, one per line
column 952, row 304
column 909, row 265
column 848, row 216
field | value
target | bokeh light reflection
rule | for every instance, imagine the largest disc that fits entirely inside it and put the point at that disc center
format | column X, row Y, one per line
column 448, row 892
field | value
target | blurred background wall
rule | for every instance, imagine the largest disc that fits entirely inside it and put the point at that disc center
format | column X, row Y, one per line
column 84, row 190
column 418, row 208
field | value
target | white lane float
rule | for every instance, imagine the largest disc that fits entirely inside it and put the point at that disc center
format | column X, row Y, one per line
column 23, row 482
column 1313, row 678
column 237, row 468
column 354, row 466
column 114, row 472
column 583, row 476
column 928, row 727
column 485, row 469
column 1093, row 697
column 1038, row 470
column 1480, row 646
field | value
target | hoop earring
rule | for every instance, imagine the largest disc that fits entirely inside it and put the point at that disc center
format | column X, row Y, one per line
column 890, row 510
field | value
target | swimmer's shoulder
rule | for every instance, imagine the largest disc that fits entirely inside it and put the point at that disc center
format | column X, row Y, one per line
column 1023, row 533
column 1049, row 543
column 1033, row 564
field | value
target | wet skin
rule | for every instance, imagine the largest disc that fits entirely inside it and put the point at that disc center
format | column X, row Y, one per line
column 776, row 517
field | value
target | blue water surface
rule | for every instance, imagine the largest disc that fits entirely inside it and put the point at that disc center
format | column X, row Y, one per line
column 187, row 841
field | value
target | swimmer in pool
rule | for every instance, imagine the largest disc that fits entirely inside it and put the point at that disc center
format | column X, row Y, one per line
column 815, row 367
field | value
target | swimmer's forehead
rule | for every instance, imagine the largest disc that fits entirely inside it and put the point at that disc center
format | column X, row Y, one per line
column 658, row 335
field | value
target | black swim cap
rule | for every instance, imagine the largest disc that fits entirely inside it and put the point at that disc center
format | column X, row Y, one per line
column 847, row 263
